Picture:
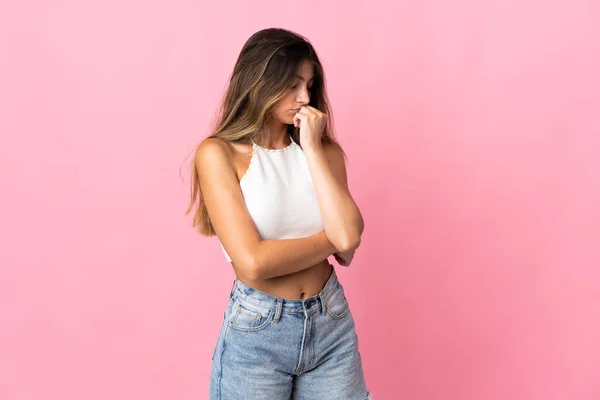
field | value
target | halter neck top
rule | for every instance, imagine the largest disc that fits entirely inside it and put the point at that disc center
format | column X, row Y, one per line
column 279, row 194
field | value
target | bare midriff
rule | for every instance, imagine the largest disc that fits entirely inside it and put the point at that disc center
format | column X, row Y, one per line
column 299, row 285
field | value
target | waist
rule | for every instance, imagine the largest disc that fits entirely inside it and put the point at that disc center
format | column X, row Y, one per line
column 289, row 305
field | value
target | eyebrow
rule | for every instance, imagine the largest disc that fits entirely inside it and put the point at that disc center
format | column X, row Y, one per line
column 301, row 78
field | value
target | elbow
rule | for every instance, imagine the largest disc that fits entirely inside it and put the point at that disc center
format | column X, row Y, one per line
column 349, row 243
column 351, row 237
column 251, row 269
column 249, row 263
column 348, row 239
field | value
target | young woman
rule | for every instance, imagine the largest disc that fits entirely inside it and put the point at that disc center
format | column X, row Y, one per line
column 270, row 182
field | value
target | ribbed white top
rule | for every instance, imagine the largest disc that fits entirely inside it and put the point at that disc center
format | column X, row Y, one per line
column 279, row 194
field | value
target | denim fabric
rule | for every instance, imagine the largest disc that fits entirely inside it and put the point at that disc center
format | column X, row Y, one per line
column 281, row 349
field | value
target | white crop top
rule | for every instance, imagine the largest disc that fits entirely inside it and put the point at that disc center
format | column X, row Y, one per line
column 279, row 194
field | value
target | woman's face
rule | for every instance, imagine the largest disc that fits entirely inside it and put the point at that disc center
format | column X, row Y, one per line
column 297, row 95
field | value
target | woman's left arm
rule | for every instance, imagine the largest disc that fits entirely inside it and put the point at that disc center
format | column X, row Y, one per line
column 342, row 220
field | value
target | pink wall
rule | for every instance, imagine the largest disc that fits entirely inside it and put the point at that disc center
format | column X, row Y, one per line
column 476, row 125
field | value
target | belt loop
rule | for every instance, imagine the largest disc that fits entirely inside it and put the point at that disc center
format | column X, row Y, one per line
column 233, row 286
column 278, row 309
column 323, row 303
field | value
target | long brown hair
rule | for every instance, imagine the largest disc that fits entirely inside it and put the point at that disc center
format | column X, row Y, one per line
column 264, row 70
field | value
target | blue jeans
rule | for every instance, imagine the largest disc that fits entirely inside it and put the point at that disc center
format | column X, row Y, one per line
column 279, row 349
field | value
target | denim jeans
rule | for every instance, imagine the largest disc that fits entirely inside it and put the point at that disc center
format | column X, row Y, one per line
column 272, row 348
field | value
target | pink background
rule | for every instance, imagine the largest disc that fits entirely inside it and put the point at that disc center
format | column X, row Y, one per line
column 473, row 135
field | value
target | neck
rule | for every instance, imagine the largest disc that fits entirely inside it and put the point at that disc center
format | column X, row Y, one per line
column 278, row 137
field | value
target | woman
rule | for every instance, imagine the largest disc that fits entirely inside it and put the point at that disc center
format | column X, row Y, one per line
column 270, row 182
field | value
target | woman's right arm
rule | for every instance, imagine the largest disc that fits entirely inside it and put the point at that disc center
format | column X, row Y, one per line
column 253, row 257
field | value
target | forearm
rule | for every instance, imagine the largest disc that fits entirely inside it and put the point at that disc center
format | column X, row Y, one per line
column 342, row 220
column 281, row 257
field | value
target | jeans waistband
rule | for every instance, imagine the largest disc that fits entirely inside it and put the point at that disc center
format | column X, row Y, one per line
column 281, row 304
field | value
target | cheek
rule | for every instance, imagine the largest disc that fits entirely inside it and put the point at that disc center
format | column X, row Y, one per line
column 288, row 100
column 279, row 111
column 284, row 104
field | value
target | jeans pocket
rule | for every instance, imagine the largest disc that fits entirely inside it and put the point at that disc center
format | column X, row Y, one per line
column 337, row 305
column 248, row 317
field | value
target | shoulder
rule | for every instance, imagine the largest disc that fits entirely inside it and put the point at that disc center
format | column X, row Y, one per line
column 212, row 147
column 212, row 153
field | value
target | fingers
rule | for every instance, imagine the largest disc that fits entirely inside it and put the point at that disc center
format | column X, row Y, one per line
column 301, row 115
column 309, row 110
column 343, row 262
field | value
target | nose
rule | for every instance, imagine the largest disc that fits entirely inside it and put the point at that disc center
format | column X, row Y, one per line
column 303, row 97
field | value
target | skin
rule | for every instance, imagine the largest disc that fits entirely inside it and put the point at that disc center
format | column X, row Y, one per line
column 290, row 268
